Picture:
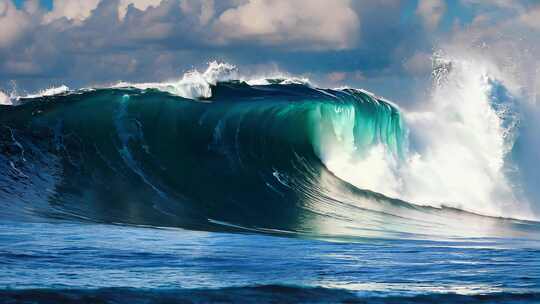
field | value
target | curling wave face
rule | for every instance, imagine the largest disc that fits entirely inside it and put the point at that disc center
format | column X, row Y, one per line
column 275, row 157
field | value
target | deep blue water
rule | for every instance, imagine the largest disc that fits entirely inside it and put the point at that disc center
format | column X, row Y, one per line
column 71, row 259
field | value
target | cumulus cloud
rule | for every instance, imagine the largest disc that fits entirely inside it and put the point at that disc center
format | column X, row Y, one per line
column 339, row 77
column 531, row 18
column 139, row 4
column 95, row 42
column 14, row 22
column 419, row 64
column 77, row 10
column 431, row 12
column 81, row 43
column 204, row 9
column 499, row 3
column 320, row 23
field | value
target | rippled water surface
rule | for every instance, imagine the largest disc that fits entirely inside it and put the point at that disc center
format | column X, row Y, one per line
column 77, row 261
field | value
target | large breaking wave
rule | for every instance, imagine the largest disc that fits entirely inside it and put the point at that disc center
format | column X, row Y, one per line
column 213, row 151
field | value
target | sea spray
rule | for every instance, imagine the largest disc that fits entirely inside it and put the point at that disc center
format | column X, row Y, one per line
column 458, row 154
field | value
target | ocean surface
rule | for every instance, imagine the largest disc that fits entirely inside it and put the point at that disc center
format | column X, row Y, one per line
column 67, row 262
column 272, row 191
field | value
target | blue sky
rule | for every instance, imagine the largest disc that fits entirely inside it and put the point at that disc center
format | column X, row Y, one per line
column 383, row 45
column 45, row 3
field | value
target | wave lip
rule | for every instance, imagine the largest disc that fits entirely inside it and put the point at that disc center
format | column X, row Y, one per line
column 198, row 85
column 193, row 84
column 52, row 91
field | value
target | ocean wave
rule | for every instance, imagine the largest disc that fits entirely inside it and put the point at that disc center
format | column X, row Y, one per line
column 280, row 156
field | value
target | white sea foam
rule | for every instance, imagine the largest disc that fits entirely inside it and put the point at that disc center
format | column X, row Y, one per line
column 463, row 145
column 193, row 84
column 459, row 148
column 52, row 91
column 4, row 99
column 197, row 85
column 276, row 79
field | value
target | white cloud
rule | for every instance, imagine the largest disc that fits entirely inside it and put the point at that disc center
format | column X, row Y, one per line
column 341, row 77
column 83, row 41
column 32, row 7
column 77, row 10
column 139, row 4
column 498, row 3
column 419, row 64
column 13, row 22
column 431, row 12
column 531, row 18
column 310, row 23
column 203, row 8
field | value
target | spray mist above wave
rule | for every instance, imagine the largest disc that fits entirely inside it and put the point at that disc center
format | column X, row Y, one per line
column 193, row 84
column 4, row 99
column 465, row 135
column 52, row 91
column 459, row 147
column 14, row 98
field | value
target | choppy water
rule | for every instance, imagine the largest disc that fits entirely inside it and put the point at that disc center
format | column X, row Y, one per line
column 84, row 261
